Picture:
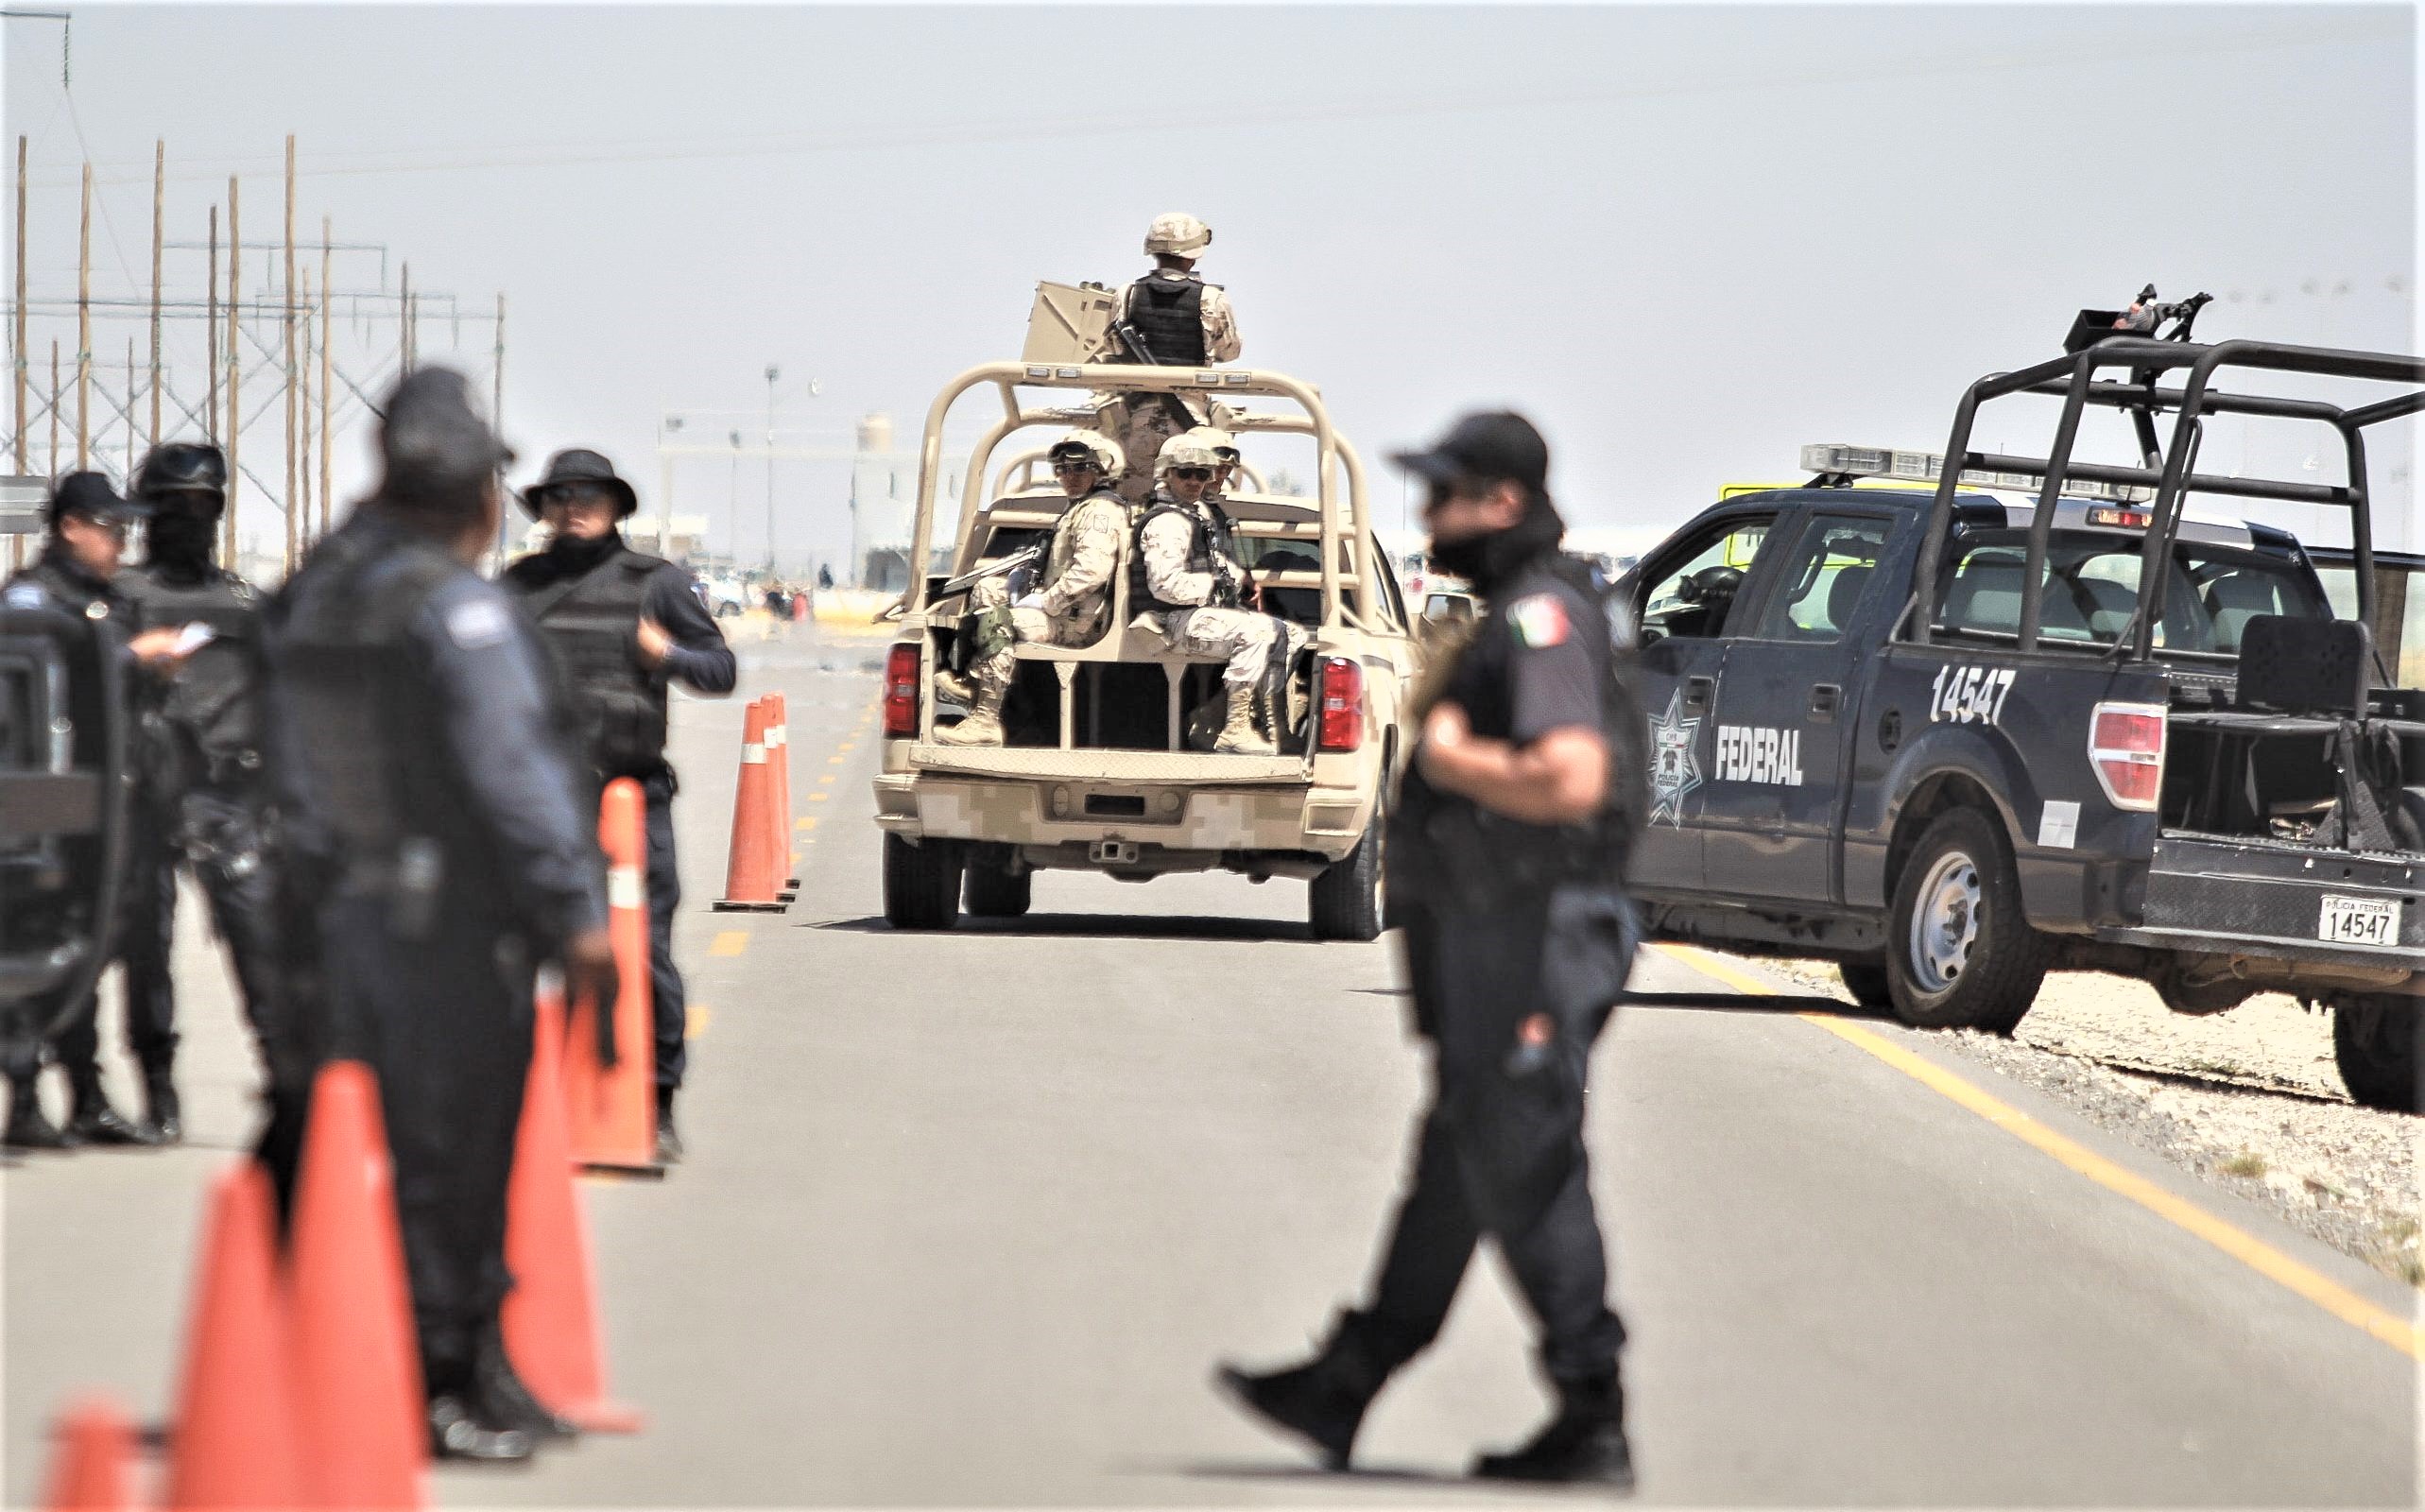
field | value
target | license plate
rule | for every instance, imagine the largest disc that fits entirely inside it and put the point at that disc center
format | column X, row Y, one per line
column 2359, row 920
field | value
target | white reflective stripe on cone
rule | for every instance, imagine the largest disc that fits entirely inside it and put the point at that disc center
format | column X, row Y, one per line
column 753, row 754
column 624, row 889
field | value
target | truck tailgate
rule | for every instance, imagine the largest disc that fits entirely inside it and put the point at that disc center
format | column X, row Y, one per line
column 2295, row 902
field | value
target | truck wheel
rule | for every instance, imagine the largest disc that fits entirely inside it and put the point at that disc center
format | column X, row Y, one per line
column 1959, row 955
column 998, row 890
column 2375, row 1041
column 1866, row 982
column 1347, row 899
column 921, row 884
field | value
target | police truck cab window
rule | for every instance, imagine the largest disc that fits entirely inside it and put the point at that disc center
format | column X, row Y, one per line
column 1690, row 596
column 1826, row 582
column 2091, row 591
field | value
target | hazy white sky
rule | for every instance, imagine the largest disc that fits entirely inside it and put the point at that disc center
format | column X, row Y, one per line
column 1686, row 239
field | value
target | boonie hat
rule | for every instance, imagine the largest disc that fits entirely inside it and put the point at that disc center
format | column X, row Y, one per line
column 578, row 465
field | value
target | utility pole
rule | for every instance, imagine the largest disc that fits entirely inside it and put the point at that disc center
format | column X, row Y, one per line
column 233, row 429
column 293, row 465
column 159, row 201
column 327, row 301
column 16, row 546
column 773, row 373
column 211, row 325
column 85, row 327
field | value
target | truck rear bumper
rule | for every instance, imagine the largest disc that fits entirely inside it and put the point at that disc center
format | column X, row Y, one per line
column 2218, row 897
column 1168, row 827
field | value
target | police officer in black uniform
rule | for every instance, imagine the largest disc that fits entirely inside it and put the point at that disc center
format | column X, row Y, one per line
column 202, row 788
column 1505, row 857
column 624, row 625
column 78, row 570
column 437, row 832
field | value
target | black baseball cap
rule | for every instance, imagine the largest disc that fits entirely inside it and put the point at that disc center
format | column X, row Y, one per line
column 92, row 495
column 1494, row 446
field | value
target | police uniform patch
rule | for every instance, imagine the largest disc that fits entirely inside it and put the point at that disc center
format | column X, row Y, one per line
column 26, row 595
column 1539, row 621
column 482, row 622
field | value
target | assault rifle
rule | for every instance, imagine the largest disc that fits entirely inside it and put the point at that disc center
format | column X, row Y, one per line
column 993, row 569
column 1132, row 341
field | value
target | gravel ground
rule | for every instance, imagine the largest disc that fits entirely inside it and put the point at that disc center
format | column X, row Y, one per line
column 2248, row 1099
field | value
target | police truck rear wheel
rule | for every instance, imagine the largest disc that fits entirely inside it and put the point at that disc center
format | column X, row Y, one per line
column 921, row 884
column 997, row 889
column 1346, row 898
column 2375, row 1041
column 1960, row 954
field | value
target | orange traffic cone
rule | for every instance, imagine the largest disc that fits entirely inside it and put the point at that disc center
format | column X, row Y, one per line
column 551, row 1315
column 779, row 756
column 610, row 1112
column 753, row 869
column 357, row 1374
column 93, row 1470
column 235, row 1443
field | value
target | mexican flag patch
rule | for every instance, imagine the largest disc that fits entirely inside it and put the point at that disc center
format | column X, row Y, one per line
column 1539, row 621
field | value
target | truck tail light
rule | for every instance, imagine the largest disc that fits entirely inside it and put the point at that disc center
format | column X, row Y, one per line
column 1342, row 723
column 2127, row 748
column 900, row 691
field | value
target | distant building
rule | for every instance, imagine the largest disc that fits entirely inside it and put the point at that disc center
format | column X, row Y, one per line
column 884, row 506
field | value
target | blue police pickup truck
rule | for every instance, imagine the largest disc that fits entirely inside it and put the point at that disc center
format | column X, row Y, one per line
column 2028, row 714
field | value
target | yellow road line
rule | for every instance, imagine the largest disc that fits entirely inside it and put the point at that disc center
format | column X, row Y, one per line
column 832, row 761
column 729, row 942
column 818, row 798
column 847, row 744
column 695, row 1022
column 809, row 823
column 827, row 778
column 2347, row 1305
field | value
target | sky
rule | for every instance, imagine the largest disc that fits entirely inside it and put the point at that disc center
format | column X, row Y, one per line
column 1686, row 240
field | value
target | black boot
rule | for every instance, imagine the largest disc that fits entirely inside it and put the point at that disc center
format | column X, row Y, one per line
column 1584, row 1443
column 91, row 1120
column 505, row 1399
column 161, row 1115
column 29, row 1128
column 669, row 1143
column 461, row 1427
column 1322, row 1400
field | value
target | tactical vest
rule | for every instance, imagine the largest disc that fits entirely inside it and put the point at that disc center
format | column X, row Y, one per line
column 591, row 624
column 384, row 815
column 212, row 708
column 1208, row 540
column 1169, row 313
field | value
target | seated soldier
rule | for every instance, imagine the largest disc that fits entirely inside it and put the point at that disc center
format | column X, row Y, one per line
column 1186, row 573
column 1071, row 606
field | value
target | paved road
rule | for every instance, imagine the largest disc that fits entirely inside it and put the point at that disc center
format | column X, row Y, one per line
column 970, row 1216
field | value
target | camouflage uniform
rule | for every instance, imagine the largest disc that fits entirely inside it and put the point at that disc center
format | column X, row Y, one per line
column 1243, row 637
column 1075, row 603
column 1143, row 423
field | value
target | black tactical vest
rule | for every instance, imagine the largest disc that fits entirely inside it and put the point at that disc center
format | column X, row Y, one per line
column 1204, row 541
column 590, row 624
column 384, row 815
column 1169, row 313
column 212, row 708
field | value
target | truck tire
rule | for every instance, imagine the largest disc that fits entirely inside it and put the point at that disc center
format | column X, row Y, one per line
column 1347, row 900
column 2375, row 1041
column 1959, row 953
column 996, row 889
column 921, row 884
column 1866, row 982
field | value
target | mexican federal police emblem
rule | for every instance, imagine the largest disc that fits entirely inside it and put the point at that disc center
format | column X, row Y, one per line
column 1675, row 770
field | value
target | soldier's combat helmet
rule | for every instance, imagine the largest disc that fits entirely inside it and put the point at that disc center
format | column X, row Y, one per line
column 1222, row 444
column 1105, row 452
column 1187, row 449
column 1178, row 235
column 183, row 467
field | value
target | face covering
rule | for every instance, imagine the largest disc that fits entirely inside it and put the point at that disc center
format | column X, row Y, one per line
column 581, row 555
column 1487, row 561
column 180, row 540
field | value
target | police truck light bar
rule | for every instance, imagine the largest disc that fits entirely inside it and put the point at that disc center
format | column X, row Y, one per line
column 1923, row 467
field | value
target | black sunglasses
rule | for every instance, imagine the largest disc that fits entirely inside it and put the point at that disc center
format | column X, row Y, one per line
column 1193, row 475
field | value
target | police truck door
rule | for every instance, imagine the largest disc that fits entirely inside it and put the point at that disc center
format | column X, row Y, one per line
column 1785, row 711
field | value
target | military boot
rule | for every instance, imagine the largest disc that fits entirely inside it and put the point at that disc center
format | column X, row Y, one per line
column 162, row 1116
column 505, row 1400
column 1585, row 1442
column 29, row 1128
column 959, row 690
column 91, row 1120
column 1239, row 737
column 458, row 1431
column 1322, row 1400
column 669, row 1142
column 983, row 725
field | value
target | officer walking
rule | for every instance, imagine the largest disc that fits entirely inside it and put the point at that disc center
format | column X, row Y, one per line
column 440, row 836
column 1186, row 571
column 1504, row 856
column 203, row 792
column 1072, row 607
column 1184, row 322
column 623, row 626
column 79, row 572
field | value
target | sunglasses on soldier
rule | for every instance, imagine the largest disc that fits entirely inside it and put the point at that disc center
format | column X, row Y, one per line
column 1193, row 475
column 1072, row 464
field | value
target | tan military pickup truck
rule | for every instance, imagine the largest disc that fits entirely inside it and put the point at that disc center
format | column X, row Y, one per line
column 1099, row 771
